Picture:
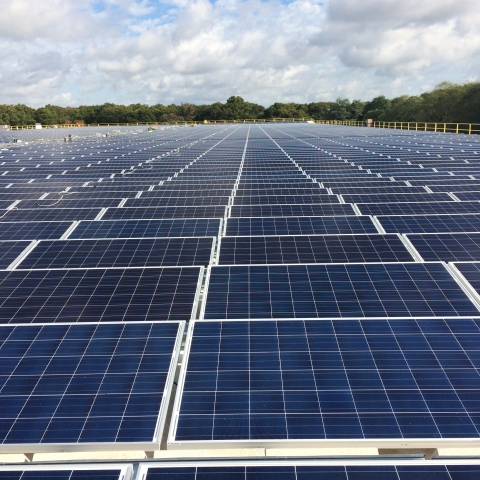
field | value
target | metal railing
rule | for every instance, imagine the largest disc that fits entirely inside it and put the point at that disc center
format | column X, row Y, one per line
column 467, row 128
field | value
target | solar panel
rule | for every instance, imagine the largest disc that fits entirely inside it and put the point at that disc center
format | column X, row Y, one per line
column 375, row 191
column 418, row 208
column 154, row 252
column 98, row 295
column 467, row 196
column 245, row 226
column 90, row 383
column 204, row 227
column 67, row 203
column 10, row 250
column 471, row 271
column 317, row 210
column 312, row 249
column 176, row 201
column 447, row 247
column 314, row 189
column 285, row 199
column 33, row 230
column 158, row 213
column 67, row 472
column 430, row 223
column 398, row 198
column 326, row 291
column 51, row 214
column 330, row 380
column 299, row 469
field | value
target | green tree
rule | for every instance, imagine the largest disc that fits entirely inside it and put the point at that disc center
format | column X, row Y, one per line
column 468, row 108
column 17, row 115
column 377, row 109
column 319, row 110
column 187, row 110
column 287, row 110
column 340, row 109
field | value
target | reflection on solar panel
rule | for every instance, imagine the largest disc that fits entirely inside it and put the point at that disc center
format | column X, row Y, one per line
column 418, row 208
column 86, row 383
column 154, row 252
column 208, row 227
column 430, row 223
column 313, row 249
column 98, row 295
column 311, row 470
column 298, row 226
column 323, row 291
column 33, row 230
column 370, row 379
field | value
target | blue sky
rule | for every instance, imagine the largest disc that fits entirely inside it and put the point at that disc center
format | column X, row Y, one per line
column 70, row 52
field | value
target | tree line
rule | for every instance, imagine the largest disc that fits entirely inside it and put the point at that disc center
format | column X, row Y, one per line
column 448, row 102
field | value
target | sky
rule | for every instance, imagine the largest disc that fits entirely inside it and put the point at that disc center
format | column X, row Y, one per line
column 84, row 52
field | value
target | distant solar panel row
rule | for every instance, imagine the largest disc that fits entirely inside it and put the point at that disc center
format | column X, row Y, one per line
column 341, row 234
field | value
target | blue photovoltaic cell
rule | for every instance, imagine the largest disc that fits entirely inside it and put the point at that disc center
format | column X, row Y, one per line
column 66, row 203
column 150, row 213
column 447, row 247
column 51, row 214
column 316, row 210
column 46, row 473
column 33, row 230
column 397, row 187
column 397, row 198
column 245, row 226
column 203, row 227
column 285, row 199
column 12, row 473
column 186, row 192
column 350, row 379
column 430, row 223
column 307, row 189
column 304, row 471
column 98, row 295
column 9, row 251
column 418, row 208
column 458, row 188
column 471, row 271
column 175, row 201
column 468, row 196
column 323, row 291
column 83, row 383
column 152, row 252
column 313, row 249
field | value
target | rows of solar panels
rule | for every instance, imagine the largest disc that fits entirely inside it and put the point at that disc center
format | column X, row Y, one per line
column 251, row 470
column 328, row 280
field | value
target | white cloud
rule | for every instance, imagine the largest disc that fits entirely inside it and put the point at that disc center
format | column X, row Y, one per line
column 196, row 50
